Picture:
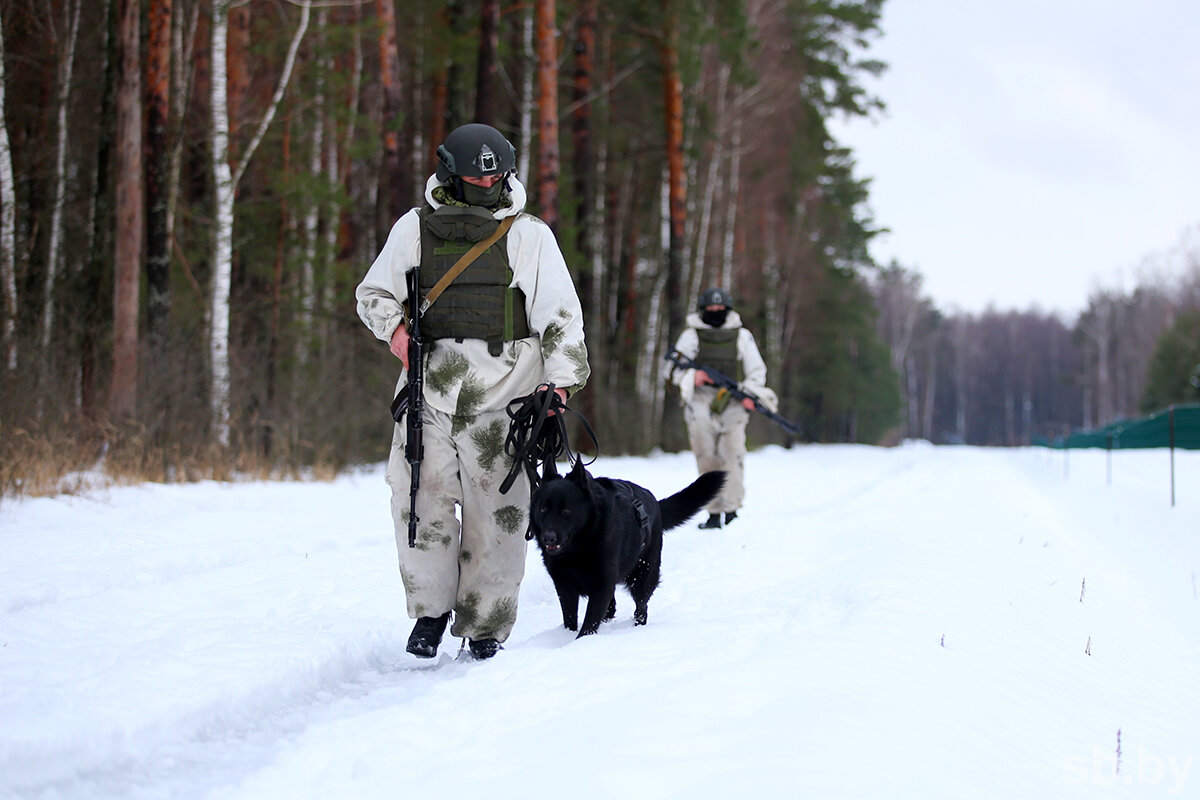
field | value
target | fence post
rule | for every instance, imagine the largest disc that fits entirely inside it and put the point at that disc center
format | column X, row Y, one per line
column 1171, row 439
column 1108, row 459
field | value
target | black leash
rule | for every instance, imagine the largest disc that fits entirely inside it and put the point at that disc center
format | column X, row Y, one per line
column 531, row 441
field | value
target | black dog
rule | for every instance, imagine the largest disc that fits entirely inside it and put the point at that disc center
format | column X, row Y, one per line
column 597, row 532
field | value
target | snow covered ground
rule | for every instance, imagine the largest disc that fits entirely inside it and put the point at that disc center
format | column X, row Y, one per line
column 915, row 622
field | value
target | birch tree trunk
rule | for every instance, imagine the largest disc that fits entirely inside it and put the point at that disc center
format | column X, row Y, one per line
column 312, row 217
column 547, row 50
column 773, row 310
column 226, row 179
column 130, row 223
column 650, row 356
column 66, row 69
column 529, row 57
column 331, row 166
column 596, row 233
column 218, row 343
column 8, row 226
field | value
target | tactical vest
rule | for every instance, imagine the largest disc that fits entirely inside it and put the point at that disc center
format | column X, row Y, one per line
column 718, row 349
column 479, row 303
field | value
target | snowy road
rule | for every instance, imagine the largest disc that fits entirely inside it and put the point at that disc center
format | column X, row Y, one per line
column 914, row 622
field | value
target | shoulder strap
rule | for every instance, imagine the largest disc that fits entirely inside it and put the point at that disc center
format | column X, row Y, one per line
column 464, row 262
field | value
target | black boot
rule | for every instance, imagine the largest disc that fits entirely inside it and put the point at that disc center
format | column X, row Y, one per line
column 730, row 516
column 427, row 635
column 483, row 648
column 713, row 521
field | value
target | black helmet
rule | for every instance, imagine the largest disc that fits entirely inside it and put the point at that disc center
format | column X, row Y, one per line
column 714, row 296
column 473, row 151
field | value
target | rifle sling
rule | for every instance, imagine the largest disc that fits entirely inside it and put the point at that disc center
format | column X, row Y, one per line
column 467, row 259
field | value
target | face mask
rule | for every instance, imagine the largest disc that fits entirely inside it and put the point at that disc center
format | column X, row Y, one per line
column 714, row 319
column 487, row 197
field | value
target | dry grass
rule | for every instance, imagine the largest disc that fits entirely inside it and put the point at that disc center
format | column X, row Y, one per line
column 37, row 464
column 61, row 460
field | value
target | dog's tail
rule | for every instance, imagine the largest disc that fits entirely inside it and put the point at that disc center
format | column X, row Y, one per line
column 683, row 505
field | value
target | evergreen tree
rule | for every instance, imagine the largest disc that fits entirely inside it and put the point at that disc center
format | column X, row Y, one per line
column 1174, row 374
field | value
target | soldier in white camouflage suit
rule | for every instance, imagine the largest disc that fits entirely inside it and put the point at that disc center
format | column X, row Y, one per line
column 716, row 422
column 509, row 324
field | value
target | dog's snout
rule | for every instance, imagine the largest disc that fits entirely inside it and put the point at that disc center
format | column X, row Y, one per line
column 550, row 540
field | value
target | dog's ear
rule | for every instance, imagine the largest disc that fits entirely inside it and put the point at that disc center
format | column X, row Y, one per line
column 585, row 482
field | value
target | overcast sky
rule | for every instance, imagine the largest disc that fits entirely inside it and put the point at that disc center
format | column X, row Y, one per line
column 1033, row 150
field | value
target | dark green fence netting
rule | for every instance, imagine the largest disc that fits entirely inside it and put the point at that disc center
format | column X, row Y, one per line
column 1174, row 426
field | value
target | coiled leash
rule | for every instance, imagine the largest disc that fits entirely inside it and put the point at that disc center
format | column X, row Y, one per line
column 531, row 441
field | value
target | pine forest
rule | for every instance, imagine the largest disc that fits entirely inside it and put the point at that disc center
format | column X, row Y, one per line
column 190, row 190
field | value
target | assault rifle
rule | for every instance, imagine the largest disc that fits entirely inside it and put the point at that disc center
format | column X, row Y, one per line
column 411, row 400
column 723, row 381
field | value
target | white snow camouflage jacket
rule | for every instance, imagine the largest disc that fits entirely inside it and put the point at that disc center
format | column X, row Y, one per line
column 462, row 377
column 754, row 369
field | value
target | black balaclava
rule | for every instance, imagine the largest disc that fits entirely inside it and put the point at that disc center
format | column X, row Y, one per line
column 714, row 319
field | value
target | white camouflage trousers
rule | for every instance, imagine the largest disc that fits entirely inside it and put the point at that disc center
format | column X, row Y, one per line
column 719, row 442
column 473, row 568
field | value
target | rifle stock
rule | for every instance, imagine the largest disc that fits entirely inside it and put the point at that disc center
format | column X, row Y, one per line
column 723, row 381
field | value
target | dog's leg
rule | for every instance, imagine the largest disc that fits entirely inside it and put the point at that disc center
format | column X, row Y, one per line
column 597, row 607
column 569, row 601
column 643, row 580
column 612, row 610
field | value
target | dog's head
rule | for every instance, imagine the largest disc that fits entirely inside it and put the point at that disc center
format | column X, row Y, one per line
column 559, row 509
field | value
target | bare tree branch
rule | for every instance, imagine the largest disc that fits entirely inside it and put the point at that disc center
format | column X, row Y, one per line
column 288, row 65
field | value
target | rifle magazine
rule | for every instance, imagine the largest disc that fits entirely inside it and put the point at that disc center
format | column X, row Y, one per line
column 400, row 404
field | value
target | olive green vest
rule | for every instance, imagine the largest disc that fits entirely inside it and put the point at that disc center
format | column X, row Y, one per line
column 479, row 303
column 718, row 349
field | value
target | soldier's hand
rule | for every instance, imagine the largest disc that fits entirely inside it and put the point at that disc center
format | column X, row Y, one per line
column 399, row 344
column 747, row 404
column 562, row 395
column 702, row 378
